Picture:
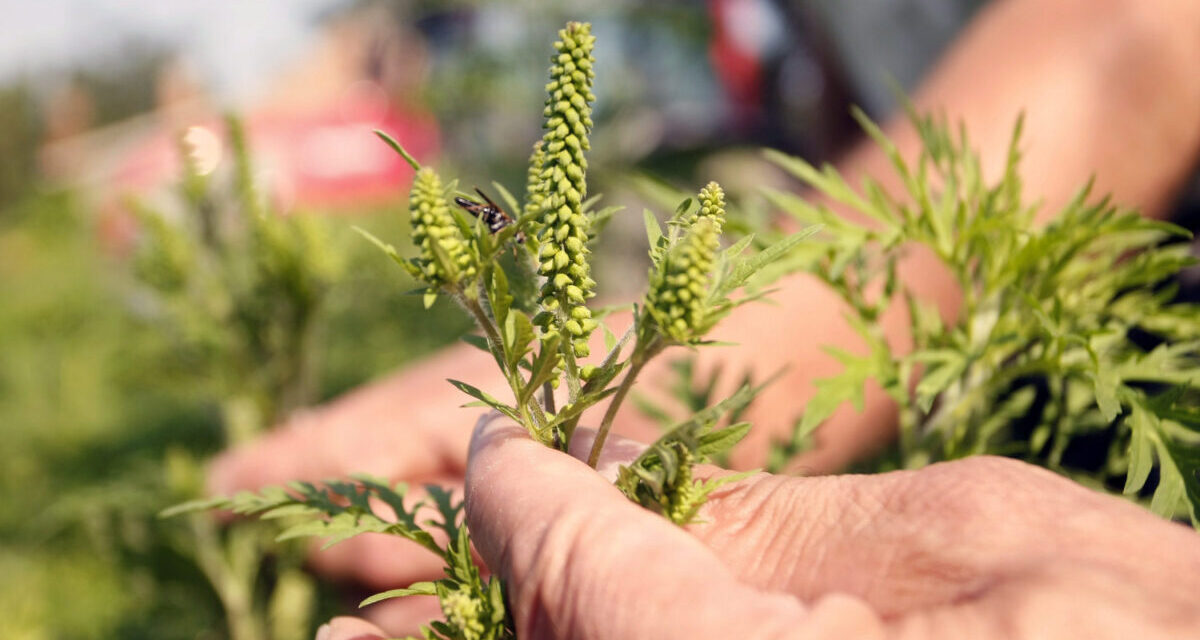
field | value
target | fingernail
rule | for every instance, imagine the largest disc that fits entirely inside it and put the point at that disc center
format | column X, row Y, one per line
column 325, row 632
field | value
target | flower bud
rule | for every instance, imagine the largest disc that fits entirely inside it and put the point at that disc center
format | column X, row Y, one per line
column 433, row 223
column 677, row 297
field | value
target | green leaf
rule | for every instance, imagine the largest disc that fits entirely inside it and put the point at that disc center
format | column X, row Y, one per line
column 845, row 386
column 192, row 506
column 654, row 232
column 543, row 367
column 742, row 397
column 1170, row 491
column 720, row 441
column 391, row 142
column 415, row 589
column 486, row 399
column 1105, row 385
column 585, row 402
column 391, row 253
column 513, row 207
column 448, row 508
column 499, row 296
column 751, row 265
column 1141, row 457
column 828, row 182
column 1185, row 461
column 934, row 381
column 518, row 336
column 600, row 219
column 610, row 339
column 479, row 342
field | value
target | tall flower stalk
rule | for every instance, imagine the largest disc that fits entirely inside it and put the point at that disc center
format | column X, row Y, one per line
column 562, row 185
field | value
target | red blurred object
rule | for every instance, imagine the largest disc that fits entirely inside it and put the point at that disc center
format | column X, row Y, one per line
column 738, row 68
column 326, row 159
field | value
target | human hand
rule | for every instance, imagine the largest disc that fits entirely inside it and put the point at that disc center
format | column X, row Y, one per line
column 408, row 427
column 984, row 547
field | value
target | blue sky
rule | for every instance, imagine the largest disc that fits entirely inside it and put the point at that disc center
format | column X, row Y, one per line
column 231, row 44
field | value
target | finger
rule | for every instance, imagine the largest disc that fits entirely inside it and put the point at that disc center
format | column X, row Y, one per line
column 925, row 538
column 583, row 562
column 347, row 628
column 404, row 617
column 410, row 425
column 322, row 447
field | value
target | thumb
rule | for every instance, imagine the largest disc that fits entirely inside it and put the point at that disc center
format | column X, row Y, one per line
column 581, row 561
column 347, row 628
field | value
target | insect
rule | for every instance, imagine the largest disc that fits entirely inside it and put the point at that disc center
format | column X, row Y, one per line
column 491, row 214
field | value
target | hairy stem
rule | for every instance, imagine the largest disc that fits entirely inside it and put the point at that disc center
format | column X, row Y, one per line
column 493, row 336
column 568, row 427
column 234, row 590
column 548, row 396
column 637, row 361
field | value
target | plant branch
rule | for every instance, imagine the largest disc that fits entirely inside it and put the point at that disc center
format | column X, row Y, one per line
column 637, row 361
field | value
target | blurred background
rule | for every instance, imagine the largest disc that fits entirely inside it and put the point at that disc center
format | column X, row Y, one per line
column 104, row 420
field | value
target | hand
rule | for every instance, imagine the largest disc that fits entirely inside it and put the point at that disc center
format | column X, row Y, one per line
column 410, row 428
column 984, row 547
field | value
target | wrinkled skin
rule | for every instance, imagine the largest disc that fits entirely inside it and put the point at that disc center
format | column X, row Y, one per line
column 980, row 548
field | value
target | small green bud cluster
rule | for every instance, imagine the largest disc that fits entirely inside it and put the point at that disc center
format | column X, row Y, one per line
column 444, row 259
column 561, row 188
column 677, row 299
column 464, row 612
column 712, row 205
column 535, row 187
column 687, row 497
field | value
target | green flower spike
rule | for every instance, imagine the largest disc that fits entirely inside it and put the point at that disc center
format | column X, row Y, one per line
column 561, row 187
column 444, row 259
column 677, row 299
column 712, row 205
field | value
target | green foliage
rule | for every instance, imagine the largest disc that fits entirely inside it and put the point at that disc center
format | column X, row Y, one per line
column 336, row 510
column 662, row 478
column 238, row 289
column 1051, row 344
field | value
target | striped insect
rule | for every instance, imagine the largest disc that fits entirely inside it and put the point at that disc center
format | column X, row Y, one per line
column 491, row 214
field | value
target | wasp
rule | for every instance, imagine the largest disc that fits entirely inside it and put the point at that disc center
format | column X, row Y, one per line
column 491, row 214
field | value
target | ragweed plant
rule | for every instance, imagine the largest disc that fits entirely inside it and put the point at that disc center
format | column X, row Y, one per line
column 235, row 290
column 1067, row 339
column 544, row 345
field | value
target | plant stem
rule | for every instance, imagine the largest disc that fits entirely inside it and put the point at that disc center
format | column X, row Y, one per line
column 485, row 323
column 568, row 427
column 235, row 591
column 637, row 361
